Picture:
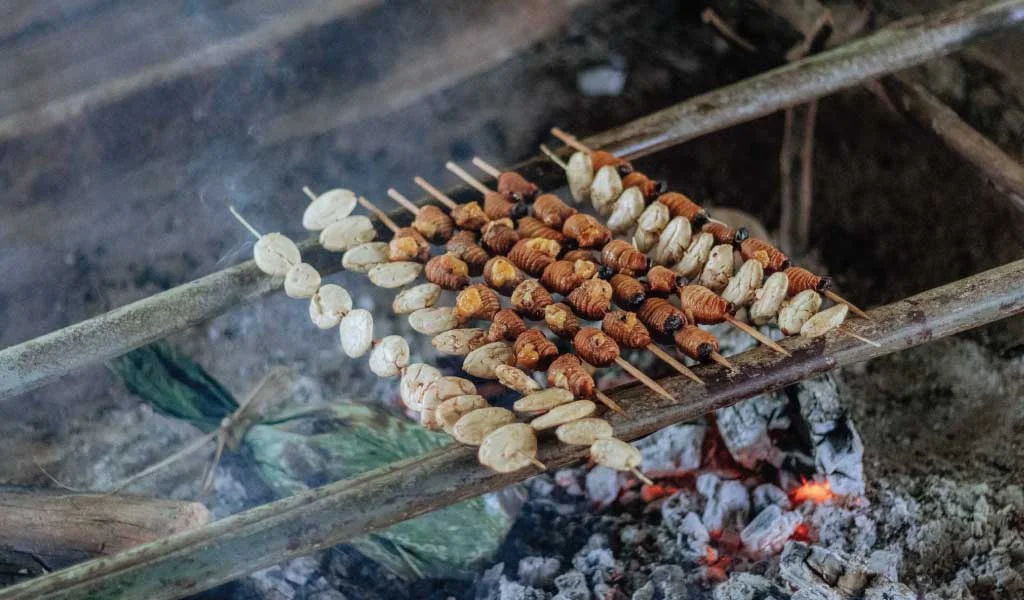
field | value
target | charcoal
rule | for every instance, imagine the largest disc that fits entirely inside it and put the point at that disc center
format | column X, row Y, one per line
column 596, row 561
column 889, row 591
column 603, row 485
column 510, row 590
column 838, row 449
column 538, row 572
column 677, row 507
column 672, row 451
column 884, row 565
column 572, row 585
column 745, row 428
column 769, row 530
column 768, row 494
column 667, row 581
column 692, row 535
column 743, row 586
column 728, row 502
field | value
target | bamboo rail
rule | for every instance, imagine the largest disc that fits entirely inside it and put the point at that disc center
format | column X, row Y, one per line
column 190, row 562
column 36, row 362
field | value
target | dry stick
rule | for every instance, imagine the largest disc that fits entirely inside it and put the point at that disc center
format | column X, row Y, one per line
column 803, row 229
column 466, row 177
column 486, row 167
column 711, row 17
column 904, row 44
column 185, row 564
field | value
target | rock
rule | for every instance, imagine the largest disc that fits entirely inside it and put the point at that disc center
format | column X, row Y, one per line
column 769, row 530
column 677, row 507
column 693, row 535
column 538, row 572
column 300, row 570
column 674, row 450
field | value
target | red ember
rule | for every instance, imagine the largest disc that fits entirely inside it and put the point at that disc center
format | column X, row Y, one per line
column 815, row 491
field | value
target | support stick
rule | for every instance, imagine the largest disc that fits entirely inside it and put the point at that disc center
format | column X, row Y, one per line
column 463, row 175
column 718, row 358
column 837, row 298
column 611, row 404
column 244, row 222
column 435, row 193
column 644, row 379
column 554, row 158
column 384, row 218
column 757, row 335
column 403, row 201
column 675, row 364
column 569, row 140
column 486, row 167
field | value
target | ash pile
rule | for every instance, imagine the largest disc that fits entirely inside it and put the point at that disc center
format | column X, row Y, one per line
column 766, row 500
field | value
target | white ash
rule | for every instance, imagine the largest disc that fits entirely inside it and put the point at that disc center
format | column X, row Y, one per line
column 727, row 503
column 675, row 450
column 769, row 530
column 768, row 494
column 603, row 485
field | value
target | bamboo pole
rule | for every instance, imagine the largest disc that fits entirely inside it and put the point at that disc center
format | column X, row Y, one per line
column 187, row 563
column 39, row 361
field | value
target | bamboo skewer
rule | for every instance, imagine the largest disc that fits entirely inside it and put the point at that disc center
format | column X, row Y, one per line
column 486, row 167
column 718, row 358
column 757, row 335
column 674, row 363
column 642, row 378
column 554, row 157
column 435, row 193
column 463, row 175
column 403, row 201
column 383, row 216
column 837, row 298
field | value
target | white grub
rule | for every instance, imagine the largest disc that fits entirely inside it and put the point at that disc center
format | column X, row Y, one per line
column 432, row 321
column 275, row 254
column 362, row 258
column 347, row 233
column 580, row 174
column 742, row 288
column 509, row 448
column 645, row 240
column 674, row 241
column 451, row 410
column 474, row 426
column 301, row 281
column 769, row 298
column 628, row 209
column 482, row 361
column 356, row 332
column 654, row 218
column 583, row 432
column 615, row 454
column 605, row 189
column 414, row 381
column 416, row 298
column 395, row 274
column 825, row 321
column 329, row 305
column 696, row 255
column 797, row 310
column 516, row 379
column 437, row 392
column 565, row 413
column 390, row 356
column 543, row 400
column 329, row 207
column 459, row 342
column 718, row 269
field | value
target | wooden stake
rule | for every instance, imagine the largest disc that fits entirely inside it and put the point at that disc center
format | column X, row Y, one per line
column 384, row 218
column 463, row 175
column 533, row 459
column 604, row 399
column 308, row 192
column 244, row 222
column 837, row 298
column 757, row 335
column 403, row 201
column 644, row 379
column 554, row 158
column 486, row 167
column 675, row 364
column 569, row 140
column 639, row 475
column 718, row 358
column 435, row 193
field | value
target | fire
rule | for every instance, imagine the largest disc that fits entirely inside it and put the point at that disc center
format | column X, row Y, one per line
column 815, row 491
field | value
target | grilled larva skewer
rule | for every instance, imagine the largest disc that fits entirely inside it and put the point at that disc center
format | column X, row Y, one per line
column 592, row 299
column 329, row 207
column 600, row 350
column 499, row 235
column 725, row 234
column 801, row 279
column 681, row 206
column 564, row 276
column 506, row 325
column 708, row 307
column 586, row 230
column 629, row 332
column 551, row 211
column 510, row 184
column 476, row 302
column 531, row 227
column 700, row 345
column 496, row 205
column 277, row 255
column 621, row 257
column 650, row 188
column 463, row 246
column 466, row 216
column 567, row 372
column 431, row 222
column 662, row 281
column 532, row 256
column 770, row 257
column 627, row 292
column 502, row 275
column 601, row 172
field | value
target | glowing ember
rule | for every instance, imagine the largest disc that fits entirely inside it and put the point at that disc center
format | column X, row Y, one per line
column 815, row 491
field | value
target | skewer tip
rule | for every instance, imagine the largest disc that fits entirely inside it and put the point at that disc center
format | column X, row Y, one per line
column 639, row 475
column 725, row 362
column 757, row 335
column 675, row 364
column 644, row 379
column 241, row 219
column 837, row 298
column 611, row 404
column 861, row 338
column 554, row 158
column 308, row 192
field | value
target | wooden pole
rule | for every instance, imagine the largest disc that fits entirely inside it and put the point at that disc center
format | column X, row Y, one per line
column 187, row 563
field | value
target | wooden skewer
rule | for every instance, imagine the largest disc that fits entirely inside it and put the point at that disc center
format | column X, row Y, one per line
column 757, row 335
column 644, row 379
column 554, row 157
column 384, row 218
column 837, row 298
column 639, row 475
column 463, row 175
column 486, row 167
column 861, row 338
column 245, row 223
column 435, row 193
column 718, row 358
column 604, row 399
column 403, row 201
column 569, row 140
column 308, row 192
column 533, row 460
column 675, row 364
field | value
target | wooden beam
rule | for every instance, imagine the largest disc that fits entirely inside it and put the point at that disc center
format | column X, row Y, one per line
column 187, row 563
